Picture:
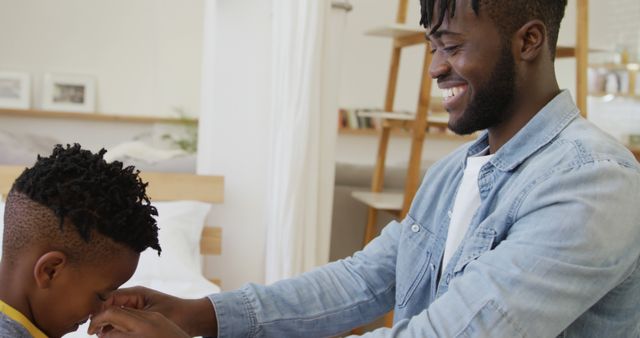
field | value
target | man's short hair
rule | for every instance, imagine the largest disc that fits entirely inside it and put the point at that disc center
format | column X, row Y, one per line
column 74, row 198
column 508, row 15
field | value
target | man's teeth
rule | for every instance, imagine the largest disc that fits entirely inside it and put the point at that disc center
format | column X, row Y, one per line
column 451, row 92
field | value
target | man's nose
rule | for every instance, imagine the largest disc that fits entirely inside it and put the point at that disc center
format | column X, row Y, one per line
column 439, row 66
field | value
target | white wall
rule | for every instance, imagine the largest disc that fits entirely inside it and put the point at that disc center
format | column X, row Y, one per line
column 144, row 54
column 366, row 58
column 235, row 141
column 615, row 22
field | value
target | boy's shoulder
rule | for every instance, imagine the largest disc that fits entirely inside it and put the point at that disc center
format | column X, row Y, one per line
column 9, row 328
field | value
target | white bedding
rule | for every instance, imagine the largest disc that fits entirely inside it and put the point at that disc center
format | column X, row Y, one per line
column 138, row 150
column 149, row 155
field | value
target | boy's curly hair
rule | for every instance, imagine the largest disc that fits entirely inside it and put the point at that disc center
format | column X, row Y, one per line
column 92, row 194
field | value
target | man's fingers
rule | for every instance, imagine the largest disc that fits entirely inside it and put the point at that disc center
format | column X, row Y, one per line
column 125, row 322
column 121, row 319
column 115, row 334
column 134, row 297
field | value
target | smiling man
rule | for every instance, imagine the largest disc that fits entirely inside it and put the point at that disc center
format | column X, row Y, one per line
column 532, row 230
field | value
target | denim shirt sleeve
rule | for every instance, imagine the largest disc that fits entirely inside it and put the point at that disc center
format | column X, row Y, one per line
column 322, row 302
column 569, row 244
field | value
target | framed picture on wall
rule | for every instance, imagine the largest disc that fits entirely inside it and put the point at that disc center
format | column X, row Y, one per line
column 69, row 93
column 15, row 90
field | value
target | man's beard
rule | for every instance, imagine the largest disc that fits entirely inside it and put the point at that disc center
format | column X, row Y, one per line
column 488, row 107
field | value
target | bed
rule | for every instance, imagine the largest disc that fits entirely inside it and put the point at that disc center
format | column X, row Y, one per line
column 183, row 202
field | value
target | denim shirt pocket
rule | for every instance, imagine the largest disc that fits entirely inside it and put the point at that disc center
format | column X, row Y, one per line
column 480, row 242
column 413, row 260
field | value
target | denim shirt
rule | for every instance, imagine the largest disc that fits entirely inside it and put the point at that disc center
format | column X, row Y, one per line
column 553, row 250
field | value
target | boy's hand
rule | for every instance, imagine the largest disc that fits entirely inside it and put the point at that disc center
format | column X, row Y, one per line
column 194, row 316
column 121, row 322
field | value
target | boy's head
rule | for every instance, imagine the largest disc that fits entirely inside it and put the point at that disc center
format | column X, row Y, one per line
column 74, row 228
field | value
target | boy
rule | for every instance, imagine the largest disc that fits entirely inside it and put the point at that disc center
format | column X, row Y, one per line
column 75, row 226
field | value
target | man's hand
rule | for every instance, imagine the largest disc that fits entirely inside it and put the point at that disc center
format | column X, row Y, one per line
column 120, row 322
column 193, row 316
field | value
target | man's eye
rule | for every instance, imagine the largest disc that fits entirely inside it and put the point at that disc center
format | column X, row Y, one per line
column 451, row 49
column 101, row 297
column 448, row 50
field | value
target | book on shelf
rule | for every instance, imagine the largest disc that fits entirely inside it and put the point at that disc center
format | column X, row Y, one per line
column 350, row 119
column 364, row 118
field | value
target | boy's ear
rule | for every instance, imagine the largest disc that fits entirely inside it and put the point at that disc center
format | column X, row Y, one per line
column 48, row 267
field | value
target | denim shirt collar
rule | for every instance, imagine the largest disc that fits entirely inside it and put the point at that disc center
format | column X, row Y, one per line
column 559, row 112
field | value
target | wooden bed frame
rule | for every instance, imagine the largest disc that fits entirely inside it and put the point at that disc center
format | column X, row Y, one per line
column 163, row 187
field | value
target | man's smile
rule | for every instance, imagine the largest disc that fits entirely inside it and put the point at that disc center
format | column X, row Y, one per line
column 452, row 95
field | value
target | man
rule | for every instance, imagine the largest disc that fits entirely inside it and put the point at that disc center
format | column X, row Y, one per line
column 530, row 231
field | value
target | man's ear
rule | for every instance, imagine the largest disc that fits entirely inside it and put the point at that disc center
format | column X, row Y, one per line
column 48, row 268
column 531, row 40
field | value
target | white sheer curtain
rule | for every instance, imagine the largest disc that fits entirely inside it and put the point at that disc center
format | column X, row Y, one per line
column 268, row 125
column 303, row 124
column 233, row 135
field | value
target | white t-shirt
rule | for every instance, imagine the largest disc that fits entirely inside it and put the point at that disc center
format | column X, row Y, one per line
column 465, row 206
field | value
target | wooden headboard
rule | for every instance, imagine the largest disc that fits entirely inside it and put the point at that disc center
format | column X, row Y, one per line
column 163, row 187
column 174, row 187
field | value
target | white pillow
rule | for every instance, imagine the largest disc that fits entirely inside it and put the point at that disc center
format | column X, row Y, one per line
column 180, row 224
